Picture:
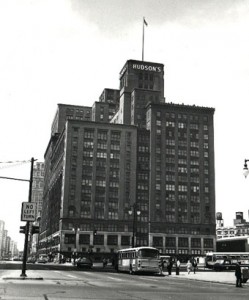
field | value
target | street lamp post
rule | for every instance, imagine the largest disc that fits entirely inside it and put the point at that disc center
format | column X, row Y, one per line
column 37, row 241
column 245, row 169
column 75, row 230
column 136, row 212
column 25, row 250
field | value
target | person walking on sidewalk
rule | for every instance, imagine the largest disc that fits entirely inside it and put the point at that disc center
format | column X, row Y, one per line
column 169, row 266
column 194, row 265
column 189, row 266
column 178, row 264
column 238, row 275
column 161, row 266
column 104, row 262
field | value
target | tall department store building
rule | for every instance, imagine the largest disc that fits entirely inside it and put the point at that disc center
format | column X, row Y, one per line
column 131, row 149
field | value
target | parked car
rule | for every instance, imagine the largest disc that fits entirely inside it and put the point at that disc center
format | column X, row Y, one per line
column 42, row 259
column 225, row 265
column 84, row 262
column 31, row 260
column 16, row 258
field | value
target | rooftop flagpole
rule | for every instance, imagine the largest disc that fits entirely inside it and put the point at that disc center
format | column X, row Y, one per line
column 144, row 23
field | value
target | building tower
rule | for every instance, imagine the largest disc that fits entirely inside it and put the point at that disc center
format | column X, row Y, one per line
column 134, row 151
column 37, row 194
column 2, row 225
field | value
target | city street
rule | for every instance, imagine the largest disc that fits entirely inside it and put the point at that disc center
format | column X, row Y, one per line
column 69, row 283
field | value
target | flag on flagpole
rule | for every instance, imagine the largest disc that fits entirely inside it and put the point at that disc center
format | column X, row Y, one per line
column 144, row 23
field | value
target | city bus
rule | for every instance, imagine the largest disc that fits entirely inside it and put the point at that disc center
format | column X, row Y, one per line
column 226, row 260
column 139, row 259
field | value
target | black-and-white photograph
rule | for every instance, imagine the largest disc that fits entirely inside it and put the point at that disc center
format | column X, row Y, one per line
column 124, row 155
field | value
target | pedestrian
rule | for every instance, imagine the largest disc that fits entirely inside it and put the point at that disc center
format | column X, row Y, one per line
column 169, row 266
column 178, row 264
column 161, row 266
column 104, row 262
column 194, row 265
column 189, row 266
column 238, row 275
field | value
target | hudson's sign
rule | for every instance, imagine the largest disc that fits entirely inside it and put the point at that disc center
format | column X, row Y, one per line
column 143, row 67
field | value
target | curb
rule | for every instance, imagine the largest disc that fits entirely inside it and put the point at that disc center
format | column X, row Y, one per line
column 16, row 277
column 21, row 278
column 203, row 280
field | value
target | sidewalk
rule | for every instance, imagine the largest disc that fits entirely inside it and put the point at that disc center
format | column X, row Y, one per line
column 209, row 276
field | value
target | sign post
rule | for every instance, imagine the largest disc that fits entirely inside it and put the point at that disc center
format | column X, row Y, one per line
column 28, row 215
column 28, row 211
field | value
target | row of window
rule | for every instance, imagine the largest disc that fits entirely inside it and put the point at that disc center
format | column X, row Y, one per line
column 183, row 218
column 102, row 146
column 169, row 168
column 99, row 183
column 183, row 197
column 171, row 208
column 181, row 135
column 184, row 188
column 112, row 227
column 182, row 125
column 181, row 152
column 170, row 214
column 181, row 116
column 186, row 251
column 102, row 134
column 182, row 242
column 98, row 239
column 184, row 144
column 142, row 195
column 126, row 241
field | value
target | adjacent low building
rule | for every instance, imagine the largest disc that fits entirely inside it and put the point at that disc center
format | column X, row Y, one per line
column 240, row 226
column 232, row 238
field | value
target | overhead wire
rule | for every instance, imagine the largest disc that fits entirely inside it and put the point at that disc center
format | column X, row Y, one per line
column 10, row 164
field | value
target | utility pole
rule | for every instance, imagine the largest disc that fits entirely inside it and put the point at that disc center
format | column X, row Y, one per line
column 25, row 251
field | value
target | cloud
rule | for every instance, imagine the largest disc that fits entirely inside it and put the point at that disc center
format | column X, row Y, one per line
column 115, row 16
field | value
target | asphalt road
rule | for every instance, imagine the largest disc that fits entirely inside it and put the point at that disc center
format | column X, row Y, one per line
column 96, row 285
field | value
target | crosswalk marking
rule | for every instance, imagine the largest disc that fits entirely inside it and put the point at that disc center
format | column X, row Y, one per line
column 72, row 276
column 149, row 279
column 117, row 279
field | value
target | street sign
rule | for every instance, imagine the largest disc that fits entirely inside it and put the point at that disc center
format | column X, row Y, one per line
column 28, row 211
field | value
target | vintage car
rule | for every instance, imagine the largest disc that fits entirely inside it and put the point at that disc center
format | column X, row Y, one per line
column 225, row 265
column 43, row 259
column 84, row 262
column 31, row 260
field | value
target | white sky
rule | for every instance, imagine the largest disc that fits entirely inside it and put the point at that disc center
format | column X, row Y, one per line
column 68, row 51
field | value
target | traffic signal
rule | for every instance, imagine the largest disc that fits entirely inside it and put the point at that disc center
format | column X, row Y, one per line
column 23, row 229
column 35, row 229
column 95, row 232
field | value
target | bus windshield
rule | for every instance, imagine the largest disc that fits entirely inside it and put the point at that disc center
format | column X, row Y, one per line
column 153, row 253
